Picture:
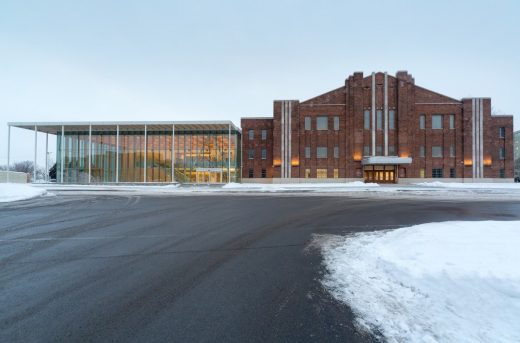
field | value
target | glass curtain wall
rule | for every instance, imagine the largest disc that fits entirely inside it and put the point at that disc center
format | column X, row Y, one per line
column 199, row 156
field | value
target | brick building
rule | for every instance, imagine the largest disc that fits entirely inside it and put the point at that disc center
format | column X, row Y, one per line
column 378, row 128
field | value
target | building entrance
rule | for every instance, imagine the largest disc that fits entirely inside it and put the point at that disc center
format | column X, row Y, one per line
column 208, row 175
column 380, row 174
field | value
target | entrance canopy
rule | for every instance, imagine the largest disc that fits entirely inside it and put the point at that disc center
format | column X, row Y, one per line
column 387, row 160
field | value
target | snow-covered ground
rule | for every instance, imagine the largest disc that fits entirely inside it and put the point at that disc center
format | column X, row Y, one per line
column 17, row 191
column 437, row 282
column 298, row 186
column 469, row 185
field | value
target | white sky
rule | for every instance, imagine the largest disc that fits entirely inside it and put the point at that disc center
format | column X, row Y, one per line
column 208, row 60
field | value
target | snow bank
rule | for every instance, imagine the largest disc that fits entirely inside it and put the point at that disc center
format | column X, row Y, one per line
column 472, row 185
column 296, row 186
column 15, row 191
column 438, row 282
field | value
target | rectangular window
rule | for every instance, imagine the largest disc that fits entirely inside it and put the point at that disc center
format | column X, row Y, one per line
column 421, row 173
column 436, row 121
column 321, row 152
column 379, row 150
column 264, row 173
column 379, row 120
column 452, row 150
column 307, row 123
column 502, row 153
column 336, row 173
column 336, row 152
column 436, row 151
column 422, row 122
column 437, row 172
column 502, row 132
column 452, row 121
column 307, row 152
column 502, row 173
column 366, row 150
column 336, row 123
column 251, row 134
column 391, row 150
column 251, row 173
column 264, row 135
column 452, row 173
column 391, row 120
column 307, row 173
column 251, row 154
column 322, row 123
column 367, row 120
column 421, row 151
column 321, row 173
column 264, row 154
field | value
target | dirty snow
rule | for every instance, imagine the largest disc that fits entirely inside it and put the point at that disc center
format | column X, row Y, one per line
column 16, row 191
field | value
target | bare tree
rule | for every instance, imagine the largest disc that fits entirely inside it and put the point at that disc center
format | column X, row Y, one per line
column 28, row 168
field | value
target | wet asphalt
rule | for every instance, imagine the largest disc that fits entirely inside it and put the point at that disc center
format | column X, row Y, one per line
column 219, row 268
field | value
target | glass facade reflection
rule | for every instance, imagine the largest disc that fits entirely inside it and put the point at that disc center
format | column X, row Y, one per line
column 200, row 154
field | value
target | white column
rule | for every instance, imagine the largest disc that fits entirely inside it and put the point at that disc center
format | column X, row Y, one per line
column 89, row 152
column 173, row 153
column 62, row 157
column 373, row 114
column 8, row 150
column 229, row 153
column 47, row 156
column 386, row 113
column 35, row 151
column 145, row 152
column 117, row 153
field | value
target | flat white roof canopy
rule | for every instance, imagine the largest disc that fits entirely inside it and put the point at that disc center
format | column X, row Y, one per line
column 367, row 160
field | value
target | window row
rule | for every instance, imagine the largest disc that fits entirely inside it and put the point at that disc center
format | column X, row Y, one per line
column 251, row 134
column 322, row 173
column 439, row 173
column 367, row 120
column 379, row 150
column 322, row 123
column 251, row 173
column 251, row 154
column 321, row 152
column 437, row 121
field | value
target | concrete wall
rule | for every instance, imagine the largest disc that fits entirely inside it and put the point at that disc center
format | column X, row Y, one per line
column 300, row 180
column 408, row 181
column 14, row 177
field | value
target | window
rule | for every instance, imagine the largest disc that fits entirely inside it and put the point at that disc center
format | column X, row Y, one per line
column 452, row 121
column 264, row 173
column 502, row 132
column 251, row 134
column 452, row 173
column 367, row 120
column 322, row 123
column 379, row 120
column 307, row 152
column 422, row 121
column 379, row 150
column 264, row 154
column 437, row 172
column 421, row 173
column 307, row 123
column 437, row 121
column 421, row 151
column 502, row 153
column 336, row 152
column 336, row 123
column 391, row 150
column 336, row 173
column 391, row 120
column 307, row 173
column 251, row 174
column 321, row 152
column 436, row 151
column 251, row 154
column 321, row 173
column 366, row 150
column 502, row 173
column 264, row 135
column 452, row 150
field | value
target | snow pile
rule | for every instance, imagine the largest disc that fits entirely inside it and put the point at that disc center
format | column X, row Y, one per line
column 472, row 185
column 16, row 191
column 438, row 282
column 296, row 186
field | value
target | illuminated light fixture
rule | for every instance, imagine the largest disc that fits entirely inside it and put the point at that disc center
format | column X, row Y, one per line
column 357, row 156
column 468, row 162
column 404, row 155
column 295, row 162
column 277, row 163
column 487, row 161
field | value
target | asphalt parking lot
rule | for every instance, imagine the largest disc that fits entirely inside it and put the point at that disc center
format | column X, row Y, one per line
column 219, row 268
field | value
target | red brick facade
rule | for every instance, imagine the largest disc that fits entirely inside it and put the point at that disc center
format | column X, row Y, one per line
column 466, row 142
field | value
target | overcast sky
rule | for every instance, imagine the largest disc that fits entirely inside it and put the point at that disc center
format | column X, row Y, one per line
column 199, row 60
